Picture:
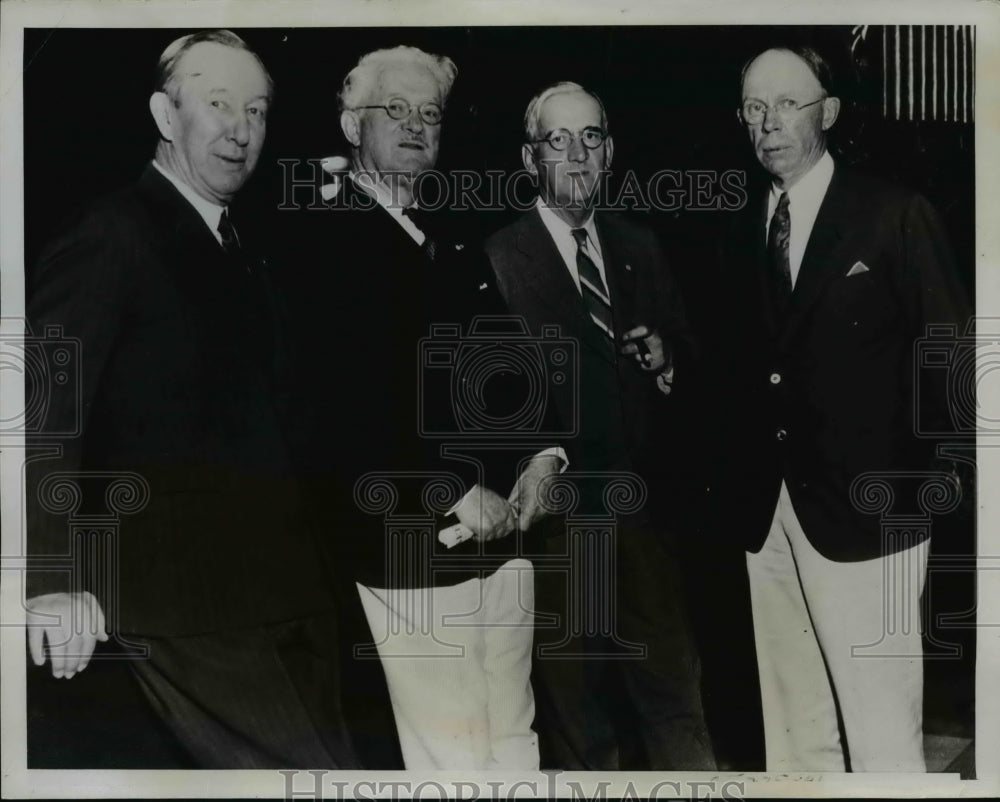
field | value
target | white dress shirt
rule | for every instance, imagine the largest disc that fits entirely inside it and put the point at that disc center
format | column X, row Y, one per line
column 804, row 200
column 211, row 213
column 562, row 235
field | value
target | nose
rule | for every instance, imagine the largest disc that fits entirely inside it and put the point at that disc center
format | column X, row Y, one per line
column 771, row 121
column 413, row 121
column 240, row 129
column 577, row 151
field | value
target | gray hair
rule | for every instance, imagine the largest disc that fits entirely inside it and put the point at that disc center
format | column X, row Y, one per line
column 534, row 112
column 362, row 80
column 167, row 78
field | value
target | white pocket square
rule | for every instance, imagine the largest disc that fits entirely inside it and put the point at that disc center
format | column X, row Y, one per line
column 858, row 269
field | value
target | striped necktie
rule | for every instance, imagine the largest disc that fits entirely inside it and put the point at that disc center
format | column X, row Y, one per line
column 595, row 293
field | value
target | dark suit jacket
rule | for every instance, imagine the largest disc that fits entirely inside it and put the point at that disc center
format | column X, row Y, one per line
column 828, row 394
column 365, row 297
column 179, row 349
column 622, row 417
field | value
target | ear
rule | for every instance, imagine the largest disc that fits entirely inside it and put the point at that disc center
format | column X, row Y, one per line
column 162, row 109
column 609, row 151
column 528, row 158
column 831, row 108
column 350, row 124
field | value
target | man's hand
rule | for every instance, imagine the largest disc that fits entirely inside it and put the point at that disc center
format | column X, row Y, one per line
column 648, row 349
column 488, row 515
column 524, row 497
column 71, row 624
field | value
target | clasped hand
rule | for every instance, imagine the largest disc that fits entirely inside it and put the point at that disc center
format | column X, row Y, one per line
column 489, row 516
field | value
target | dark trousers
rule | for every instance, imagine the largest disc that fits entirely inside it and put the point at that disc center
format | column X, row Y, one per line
column 615, row 672
column 257, row 698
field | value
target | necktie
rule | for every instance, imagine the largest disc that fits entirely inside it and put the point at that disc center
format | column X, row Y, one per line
column 777, row 253
column 421, row 219
column 230, row 242
column 595, row 294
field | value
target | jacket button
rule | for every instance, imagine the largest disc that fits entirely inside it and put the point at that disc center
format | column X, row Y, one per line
column 775, row 378
column 781, row 434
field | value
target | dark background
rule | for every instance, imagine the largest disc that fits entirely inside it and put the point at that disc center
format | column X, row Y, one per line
column 671, row 95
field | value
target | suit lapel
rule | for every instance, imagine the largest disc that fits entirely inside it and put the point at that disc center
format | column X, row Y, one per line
column 819, row 262
column 551, row 282
column 178, row 216
column 619, row 274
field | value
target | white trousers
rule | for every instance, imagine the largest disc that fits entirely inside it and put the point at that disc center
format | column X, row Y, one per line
column 457, row 662
column 837, row 637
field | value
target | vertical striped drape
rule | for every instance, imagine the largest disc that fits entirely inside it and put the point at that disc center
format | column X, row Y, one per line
column 928, row 72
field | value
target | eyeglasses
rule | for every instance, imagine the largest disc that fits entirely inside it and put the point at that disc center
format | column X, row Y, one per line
column 754, row 111
column 560, row 139
column 400, row 109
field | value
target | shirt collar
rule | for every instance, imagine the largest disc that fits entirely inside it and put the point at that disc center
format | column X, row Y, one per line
column 210, row 212
column 810, row 189
column 558, row 227
column 383, row 195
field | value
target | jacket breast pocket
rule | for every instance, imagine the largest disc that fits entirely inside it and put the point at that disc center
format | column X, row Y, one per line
column 861, row 306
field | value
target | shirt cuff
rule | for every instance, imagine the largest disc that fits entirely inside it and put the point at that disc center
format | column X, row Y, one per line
column 556, row 451
column 461, row 501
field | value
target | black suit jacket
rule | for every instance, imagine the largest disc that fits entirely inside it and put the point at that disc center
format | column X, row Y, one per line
column 379, row 408
column 828, row 394
column 179, row 352
column 622, row 418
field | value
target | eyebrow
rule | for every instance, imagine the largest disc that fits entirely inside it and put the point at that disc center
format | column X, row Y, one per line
column 222, row 90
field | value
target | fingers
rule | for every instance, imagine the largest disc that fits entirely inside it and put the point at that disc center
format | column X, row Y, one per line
column 57, row 653
column 99, row 624
column 526, row 517
column 36, row 643
column 82, row 651
column 68, row 625
column 637, row 333
column 504, row 524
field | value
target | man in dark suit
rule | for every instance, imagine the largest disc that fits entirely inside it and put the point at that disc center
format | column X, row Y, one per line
column 216, row 583
column 385, row 337
column 831, row 279
column 625, row 697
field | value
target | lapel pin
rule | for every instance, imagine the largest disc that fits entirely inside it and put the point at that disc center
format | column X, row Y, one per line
column 459, row 246
column 628, row 268
column 483, row 286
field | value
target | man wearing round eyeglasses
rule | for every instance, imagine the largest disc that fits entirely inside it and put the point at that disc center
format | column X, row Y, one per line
column 448, row 624
column 832, row 278
column 604, row 282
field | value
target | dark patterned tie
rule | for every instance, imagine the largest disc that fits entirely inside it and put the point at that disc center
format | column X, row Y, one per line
column 777, row 254
column 230, row 242
column 595, row 293
column 421, row 219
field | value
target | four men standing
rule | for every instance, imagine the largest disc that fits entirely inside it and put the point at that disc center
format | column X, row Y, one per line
column 187, row 375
